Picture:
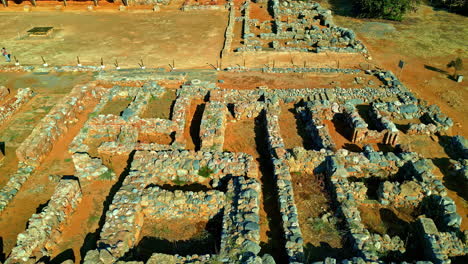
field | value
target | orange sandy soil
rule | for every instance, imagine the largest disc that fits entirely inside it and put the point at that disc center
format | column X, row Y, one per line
column 260, row 12
column 338, row 138
column 159, row 138
column 294, row 59
column 251, row 80
column 157, row 38
column 38, row 189
column 240, row 137
column 288, row 127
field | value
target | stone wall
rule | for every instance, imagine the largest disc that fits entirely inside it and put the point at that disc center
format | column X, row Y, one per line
column 361, row 133
column 313, row 115
column 185, row 166
column 240, row 237
column 229, row 34
column 44, row 229
column 88, row 167
column 368, row 245
column 212, row 127
column 282, row 177
column 14, row 184
column 439, row 246
column 460, row 146
column 248, row 110
column 160, row 204
column 10, row 107
column 64, row 115
column 299, row 23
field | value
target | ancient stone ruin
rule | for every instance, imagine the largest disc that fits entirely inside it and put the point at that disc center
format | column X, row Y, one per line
column 177, row 166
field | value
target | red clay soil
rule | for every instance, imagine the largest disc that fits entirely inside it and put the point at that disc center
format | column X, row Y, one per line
column 251, row 80
column 240, row 137
column 288, row 127
column 260, row 12
column 339, row 140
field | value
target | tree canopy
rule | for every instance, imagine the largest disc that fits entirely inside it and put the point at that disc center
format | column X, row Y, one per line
column 387, row 9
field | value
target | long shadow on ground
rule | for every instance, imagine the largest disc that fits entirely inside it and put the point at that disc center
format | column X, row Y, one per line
column 276, row 243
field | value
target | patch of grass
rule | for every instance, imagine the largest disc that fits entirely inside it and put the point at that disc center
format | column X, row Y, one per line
column 161, row 231
column 93, row 219
column 178, row 181
column 106, row 175
column 205, row 172
column 46, row 108
column 67, row 160
column 229, row 197
column 92, row 115
column 320, row 226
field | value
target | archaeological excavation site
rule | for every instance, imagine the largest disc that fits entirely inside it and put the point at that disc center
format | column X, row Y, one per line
column 223, row 131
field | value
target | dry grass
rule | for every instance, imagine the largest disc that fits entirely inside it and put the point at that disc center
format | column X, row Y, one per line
column 321, row 234
column 160, row 107
column 424, row 33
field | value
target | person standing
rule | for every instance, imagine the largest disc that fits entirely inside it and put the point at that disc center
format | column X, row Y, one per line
column 6, row 54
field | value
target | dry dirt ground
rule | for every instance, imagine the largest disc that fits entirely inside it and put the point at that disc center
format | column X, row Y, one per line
column 189, row 38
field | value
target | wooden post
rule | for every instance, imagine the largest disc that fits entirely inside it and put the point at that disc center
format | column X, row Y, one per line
column 95, row 2
column 64, row 2
column 44, row 63
column 33, row 2
column 125, row 2
column 5, row 3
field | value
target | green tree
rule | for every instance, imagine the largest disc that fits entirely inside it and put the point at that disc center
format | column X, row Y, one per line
column 387, row 9
column 457, row 64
